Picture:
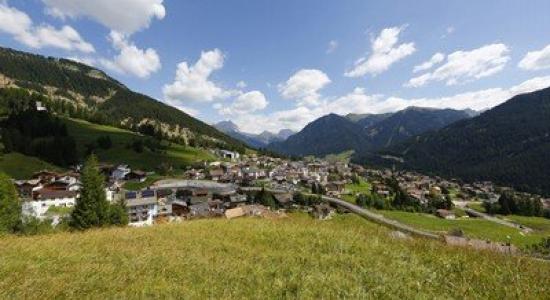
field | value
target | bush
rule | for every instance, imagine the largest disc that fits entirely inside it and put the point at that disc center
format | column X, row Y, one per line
column 456, row 232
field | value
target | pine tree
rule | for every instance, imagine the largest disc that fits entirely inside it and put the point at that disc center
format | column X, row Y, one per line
column 118, row 214
column 10, row 206
column 92, row 208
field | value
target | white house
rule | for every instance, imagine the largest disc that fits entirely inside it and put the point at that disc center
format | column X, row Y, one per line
column 229, row 154
column 39, row 206
column 120, row 172
column 142, row 208
column 40, row 106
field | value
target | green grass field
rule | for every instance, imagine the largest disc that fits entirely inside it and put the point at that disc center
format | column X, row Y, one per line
column 295, row 257
column 176, row 155
column 364, row 187
column 20, row 166
column 472, row 227
column 535, row 223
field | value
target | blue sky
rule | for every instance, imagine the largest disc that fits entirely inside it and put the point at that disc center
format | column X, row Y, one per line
column 269, row 65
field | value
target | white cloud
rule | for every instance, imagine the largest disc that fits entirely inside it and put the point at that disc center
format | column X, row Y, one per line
column 126, row 16
column 192, row 82
column 465, row 66
column 245, row 103
column 131, row 60
column 304, row 86
column 436, row 59
column 332, row 46
column 536, row 60
column 21, row 27
column 385, row 52
column 358, row 101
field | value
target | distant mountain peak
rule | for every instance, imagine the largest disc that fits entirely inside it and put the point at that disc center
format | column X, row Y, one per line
column 227, row 126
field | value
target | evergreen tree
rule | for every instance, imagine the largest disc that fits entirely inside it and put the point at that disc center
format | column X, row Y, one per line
column 92, row 208
column 505, row 202
column 118, row 214
column 265, row 198
column 10, row 206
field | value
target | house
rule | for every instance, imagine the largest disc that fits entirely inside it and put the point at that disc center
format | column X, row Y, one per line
column 445, row 214
column 336, row 187
column 252, row 173
column 45, row 176
column 40, row 106
column 229, row 154
column 120, row 172
column 138, row 176
column 216, row 174
column 180, row 208
column 26, row 188
column 142, row 207
column 165, row 197
column 237, row 200
column 44, row 199
column 199, row 210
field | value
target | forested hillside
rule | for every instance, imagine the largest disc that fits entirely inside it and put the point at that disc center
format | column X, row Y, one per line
column 327, row 135
column 410, row 122
column 78, row 88
column 509, row 144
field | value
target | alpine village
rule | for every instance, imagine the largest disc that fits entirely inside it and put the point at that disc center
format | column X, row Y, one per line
column 108, row 193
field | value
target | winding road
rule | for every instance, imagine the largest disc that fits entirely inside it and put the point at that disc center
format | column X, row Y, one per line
column 365, row 213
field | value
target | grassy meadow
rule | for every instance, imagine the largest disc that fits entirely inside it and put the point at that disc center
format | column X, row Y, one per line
column 176, row 155
column 474, row 227
column 363, row 187
column 19, row 166
column 295, row 257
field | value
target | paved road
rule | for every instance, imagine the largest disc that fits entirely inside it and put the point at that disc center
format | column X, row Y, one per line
column 367, row 214
column 487, row 217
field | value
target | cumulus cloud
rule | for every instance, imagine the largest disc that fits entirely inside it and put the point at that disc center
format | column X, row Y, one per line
column 385, row 52
column 126, row 16
column 20, row 26
column 131, row 60
column 332, row 46
column 244, row 104
column 359, row 101
column 465, row 66
column 436, row 59
column 192, row 83
column 304, row 86
column 536, row 60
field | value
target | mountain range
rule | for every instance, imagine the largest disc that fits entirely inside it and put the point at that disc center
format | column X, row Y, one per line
column 253, row 140
column 333, row 133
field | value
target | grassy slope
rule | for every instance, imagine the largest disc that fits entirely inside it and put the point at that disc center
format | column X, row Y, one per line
column 176, row 155
column 19, row 166
column 472, row 227
column 257, row 258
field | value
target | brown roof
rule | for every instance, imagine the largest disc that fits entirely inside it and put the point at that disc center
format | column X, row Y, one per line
column 44, row 194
